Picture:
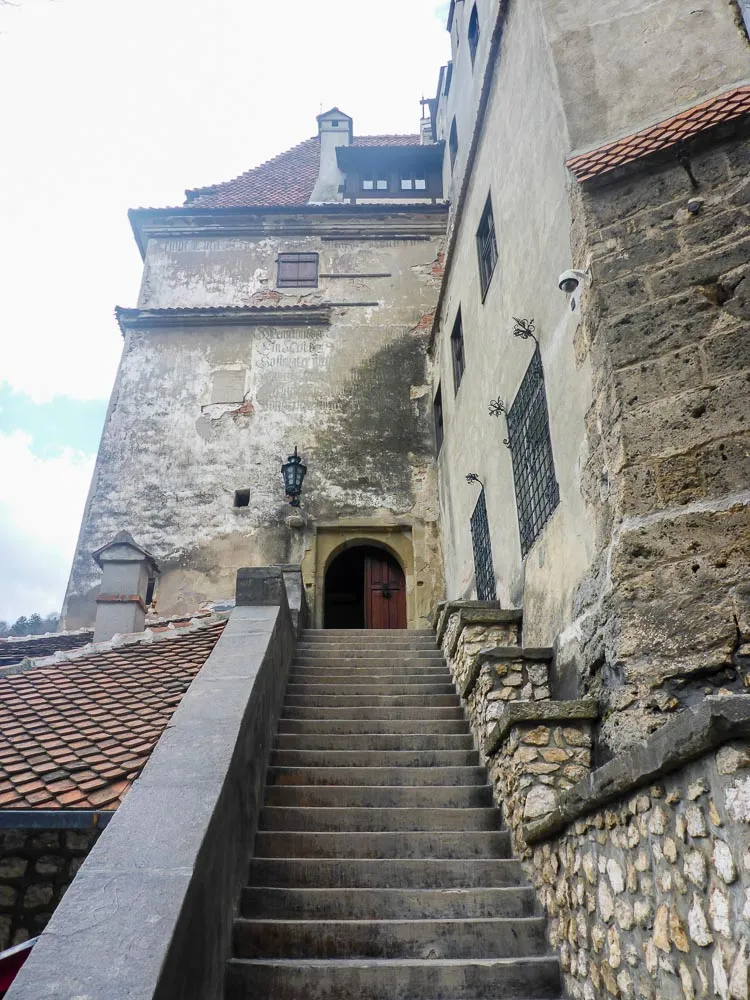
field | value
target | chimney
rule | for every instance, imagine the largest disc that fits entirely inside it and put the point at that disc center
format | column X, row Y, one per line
column 128, row 572
column 334, row 129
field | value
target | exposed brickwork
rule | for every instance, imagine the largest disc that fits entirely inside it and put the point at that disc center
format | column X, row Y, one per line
column 666, row 331
column 36, row 867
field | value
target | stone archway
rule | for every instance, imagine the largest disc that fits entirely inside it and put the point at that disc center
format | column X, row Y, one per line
column 364, row 587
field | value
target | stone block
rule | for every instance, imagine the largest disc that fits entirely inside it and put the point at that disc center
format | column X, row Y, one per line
column 654, row 328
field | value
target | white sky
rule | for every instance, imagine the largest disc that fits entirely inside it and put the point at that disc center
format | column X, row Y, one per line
column 113, row 104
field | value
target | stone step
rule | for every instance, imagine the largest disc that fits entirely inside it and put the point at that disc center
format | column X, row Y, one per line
column 373, row 726
column 374, row 741
column 364, row 689
column 387, row 904
column 369, row 675
column 369, row 776
column 371, row 700
column 374, row 758
column 381, row 797
column 387, row 873
column 359, row 661
column 360, row 819
column 370, row 712
column 350, row 644
column 387, row 979
column 486, row 937
column 389, row 844
column 365, row 634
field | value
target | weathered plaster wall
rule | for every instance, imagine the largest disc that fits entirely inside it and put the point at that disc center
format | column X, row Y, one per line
column 622, row 64
column 520, row 161
column 352, row 393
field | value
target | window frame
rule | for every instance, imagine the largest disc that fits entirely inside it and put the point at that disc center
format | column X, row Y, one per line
column 453, row 143
column 458, row 351
column 439, row 418
column 473, row 34
column 285, row 259
column 486, row 242
column 536, row 488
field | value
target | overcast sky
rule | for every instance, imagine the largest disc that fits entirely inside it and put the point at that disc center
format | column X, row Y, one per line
column 113, row 104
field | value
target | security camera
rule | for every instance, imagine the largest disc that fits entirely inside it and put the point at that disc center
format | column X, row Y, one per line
column 569, row 281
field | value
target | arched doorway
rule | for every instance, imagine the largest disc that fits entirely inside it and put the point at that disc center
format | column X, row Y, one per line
column 364, row 588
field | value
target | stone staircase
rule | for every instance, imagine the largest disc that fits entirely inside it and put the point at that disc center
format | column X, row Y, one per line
column 380, row 869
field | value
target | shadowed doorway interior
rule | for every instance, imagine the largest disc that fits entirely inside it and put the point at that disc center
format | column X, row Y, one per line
column 364, row 588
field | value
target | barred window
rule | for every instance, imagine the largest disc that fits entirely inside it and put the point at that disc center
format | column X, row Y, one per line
column 457, row 351
column 486, row 246
column 437, row 409
column 297, row 270
column 453, row 142
column 537, row 492
column 484, row 573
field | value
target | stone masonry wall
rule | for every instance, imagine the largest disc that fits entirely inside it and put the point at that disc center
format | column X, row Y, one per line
column 36, row 867
column 666, row 331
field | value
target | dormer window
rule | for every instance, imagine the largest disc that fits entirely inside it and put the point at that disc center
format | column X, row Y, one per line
column 410, row 182
column 371, row 183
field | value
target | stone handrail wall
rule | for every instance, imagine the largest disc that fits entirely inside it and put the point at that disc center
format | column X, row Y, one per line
column 642, row 866
column 149, row 914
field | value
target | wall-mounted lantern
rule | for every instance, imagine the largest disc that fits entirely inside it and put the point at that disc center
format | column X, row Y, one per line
column 293, row 472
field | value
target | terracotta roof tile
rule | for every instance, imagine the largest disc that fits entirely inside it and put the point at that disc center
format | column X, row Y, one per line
column 75, row 734
column 287, row 179
column 668, row 133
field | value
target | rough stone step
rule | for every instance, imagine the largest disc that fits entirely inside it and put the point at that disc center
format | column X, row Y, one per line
column 365, row 633
column 366, row 819
column 387, row 873
column 417, row 713
column 388, row 979
column 387, row 904
column 367, row 726
column 369, row 776
column 364, row 689
column 428, row 643
column 487, row 937
column 374, row 741
column 390, row 844
column 381, row 797
column 371, row 700
column 374, row 758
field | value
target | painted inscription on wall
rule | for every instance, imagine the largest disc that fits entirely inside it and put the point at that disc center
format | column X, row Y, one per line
column 290, row 365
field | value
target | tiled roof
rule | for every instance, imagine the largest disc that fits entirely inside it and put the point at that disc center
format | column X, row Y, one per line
column 287, row 179
column 677, row 129
column 75, row 734
column 13, row 650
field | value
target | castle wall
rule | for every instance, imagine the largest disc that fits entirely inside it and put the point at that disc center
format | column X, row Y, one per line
column 348, row 386
column 520, row 162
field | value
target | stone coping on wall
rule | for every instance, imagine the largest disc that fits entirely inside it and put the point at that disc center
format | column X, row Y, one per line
column 543, row 654
column 475, row 616
column 529, row 712
column 691, row 734
column 444, row 609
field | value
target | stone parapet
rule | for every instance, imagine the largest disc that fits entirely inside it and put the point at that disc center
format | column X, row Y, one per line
column 465, row 628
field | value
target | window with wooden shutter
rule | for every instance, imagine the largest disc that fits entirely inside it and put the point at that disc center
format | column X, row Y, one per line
column 297, row 270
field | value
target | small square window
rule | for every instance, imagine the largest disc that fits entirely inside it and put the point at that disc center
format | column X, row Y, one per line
column 406, row 184
column 368, row 184
column 297, row 270
column 437, row 408
column 242, row 498
column 382, row 183
column 420, row 184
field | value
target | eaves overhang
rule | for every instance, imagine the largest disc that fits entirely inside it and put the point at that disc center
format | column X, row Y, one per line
column 429, row 154
column 149, row 319
column 330, row 221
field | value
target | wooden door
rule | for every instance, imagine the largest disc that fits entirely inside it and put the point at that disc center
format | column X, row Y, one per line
column 385, row 592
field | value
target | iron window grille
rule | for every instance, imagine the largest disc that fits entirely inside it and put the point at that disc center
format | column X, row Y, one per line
column 457, row 351
column 484, row 573
column 486, row 246
column 537, row 491
column 297, row 270
column 437, row 409
column 473, row 33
